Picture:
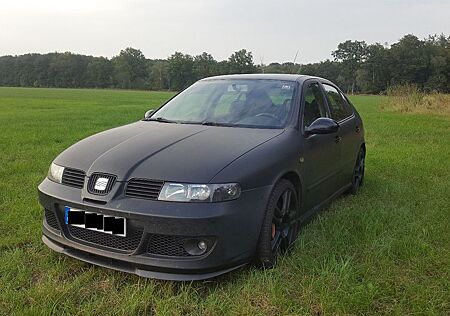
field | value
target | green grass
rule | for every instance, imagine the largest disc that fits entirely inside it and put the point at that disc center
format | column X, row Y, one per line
column 385, row 251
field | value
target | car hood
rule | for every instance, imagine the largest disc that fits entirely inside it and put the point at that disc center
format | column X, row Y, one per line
column 163, row 151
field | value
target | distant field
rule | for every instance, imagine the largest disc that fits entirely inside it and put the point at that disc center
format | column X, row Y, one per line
column 386, row 250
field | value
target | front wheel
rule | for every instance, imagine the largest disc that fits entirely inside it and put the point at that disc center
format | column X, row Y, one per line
column 281, row 225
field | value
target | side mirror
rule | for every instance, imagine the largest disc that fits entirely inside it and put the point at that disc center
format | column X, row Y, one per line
column 322, row 125
column 148, row 113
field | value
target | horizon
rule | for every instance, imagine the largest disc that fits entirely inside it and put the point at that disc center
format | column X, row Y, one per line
column 255, row 61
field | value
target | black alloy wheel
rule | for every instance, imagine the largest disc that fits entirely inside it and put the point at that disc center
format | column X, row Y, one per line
column 281, row 224
column 358, row 172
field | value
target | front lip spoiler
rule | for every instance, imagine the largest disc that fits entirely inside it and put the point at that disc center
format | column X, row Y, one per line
column 129, row 267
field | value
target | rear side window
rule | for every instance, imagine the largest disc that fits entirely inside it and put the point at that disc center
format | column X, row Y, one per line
column 313, row 105
column 338, row 106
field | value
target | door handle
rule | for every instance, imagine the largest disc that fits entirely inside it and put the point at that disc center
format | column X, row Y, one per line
column 337, row 139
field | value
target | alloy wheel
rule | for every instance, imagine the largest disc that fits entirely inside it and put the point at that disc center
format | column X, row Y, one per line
column 285, row 225
column 358, row 173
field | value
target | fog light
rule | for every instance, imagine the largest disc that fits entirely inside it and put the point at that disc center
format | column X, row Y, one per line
column 197, row 247
column 202, row 245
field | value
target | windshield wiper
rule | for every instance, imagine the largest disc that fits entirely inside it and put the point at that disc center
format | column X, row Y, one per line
column 160, row 119
column 209, row 123
column 206, row 123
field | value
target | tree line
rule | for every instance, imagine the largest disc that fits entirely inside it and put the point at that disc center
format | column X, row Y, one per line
column 356, row 67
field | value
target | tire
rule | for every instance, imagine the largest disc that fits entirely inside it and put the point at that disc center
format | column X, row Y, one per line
column 358, row 172
column 282, row 216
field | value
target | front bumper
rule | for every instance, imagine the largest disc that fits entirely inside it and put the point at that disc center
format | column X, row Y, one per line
column 231, row 228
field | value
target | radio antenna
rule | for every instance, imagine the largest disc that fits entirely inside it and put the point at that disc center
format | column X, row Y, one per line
column 262, row 63
column 295, row 58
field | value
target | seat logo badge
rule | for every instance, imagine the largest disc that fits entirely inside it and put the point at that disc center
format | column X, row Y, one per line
column 101, row 184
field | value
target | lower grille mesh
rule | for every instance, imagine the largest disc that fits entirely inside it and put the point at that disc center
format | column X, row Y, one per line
column 52, row 221
column 167, row 245
column 128, row 243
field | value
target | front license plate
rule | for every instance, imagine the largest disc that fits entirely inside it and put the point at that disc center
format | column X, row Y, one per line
column 89, row 220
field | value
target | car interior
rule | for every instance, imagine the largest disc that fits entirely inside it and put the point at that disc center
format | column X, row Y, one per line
column 314, row 107
column 256, row 107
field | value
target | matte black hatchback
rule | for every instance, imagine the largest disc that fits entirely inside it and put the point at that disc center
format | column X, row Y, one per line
column 221, row 175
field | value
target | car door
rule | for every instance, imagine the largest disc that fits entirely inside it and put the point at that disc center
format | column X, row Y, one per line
column 320, row 158
column 342, row 113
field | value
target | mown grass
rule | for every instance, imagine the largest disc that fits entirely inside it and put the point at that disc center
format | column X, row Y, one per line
column 385, row 251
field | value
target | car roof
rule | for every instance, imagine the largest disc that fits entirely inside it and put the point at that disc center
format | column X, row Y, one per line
column 286, row 77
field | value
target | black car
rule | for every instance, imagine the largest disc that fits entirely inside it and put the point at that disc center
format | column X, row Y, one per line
column 221, row 175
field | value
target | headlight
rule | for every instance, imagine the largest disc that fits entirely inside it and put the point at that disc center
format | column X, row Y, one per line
column 55, row 173
column 182, row 192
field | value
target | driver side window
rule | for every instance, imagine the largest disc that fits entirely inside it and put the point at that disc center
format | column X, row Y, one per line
column 314, row 106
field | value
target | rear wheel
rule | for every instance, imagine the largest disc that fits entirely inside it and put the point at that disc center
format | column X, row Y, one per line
column 281, row 225
column 358, row 172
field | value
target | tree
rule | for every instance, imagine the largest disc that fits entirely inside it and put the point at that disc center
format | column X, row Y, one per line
column 273, row 68
column 68, row 70
column 439, row 66
column 326, row 69
column 222, row 68
column 7, row 71
column 99, row 73
column 204, row 66
column 284, row 68
column 352, row 54
column 241, row 62
column 41, row 66
column 409, row 61
column 180, row 69
column 373, row 75
column 130, row 71
column 158, row 71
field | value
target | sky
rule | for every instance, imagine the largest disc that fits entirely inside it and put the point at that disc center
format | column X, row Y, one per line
column 273, row 30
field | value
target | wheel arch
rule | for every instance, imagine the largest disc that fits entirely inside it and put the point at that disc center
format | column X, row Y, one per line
column 295, row 179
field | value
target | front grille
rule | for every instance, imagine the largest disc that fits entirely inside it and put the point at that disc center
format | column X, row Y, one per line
column 93, row 181
column 167, row 245
column 73, row 177
column 128, row 243
column 52, row 221
column 144, row 188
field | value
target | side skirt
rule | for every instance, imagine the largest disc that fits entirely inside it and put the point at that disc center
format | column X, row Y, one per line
column 308, row 215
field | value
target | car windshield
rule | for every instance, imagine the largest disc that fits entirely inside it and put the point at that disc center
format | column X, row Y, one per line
column 246, row 103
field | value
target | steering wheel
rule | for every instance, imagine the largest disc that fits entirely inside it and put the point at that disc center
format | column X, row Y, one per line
column 269, row 115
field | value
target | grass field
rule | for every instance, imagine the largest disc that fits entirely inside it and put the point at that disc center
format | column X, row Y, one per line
column 385, row 251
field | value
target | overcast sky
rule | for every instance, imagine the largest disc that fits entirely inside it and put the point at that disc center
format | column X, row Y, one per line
column 272, row 30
